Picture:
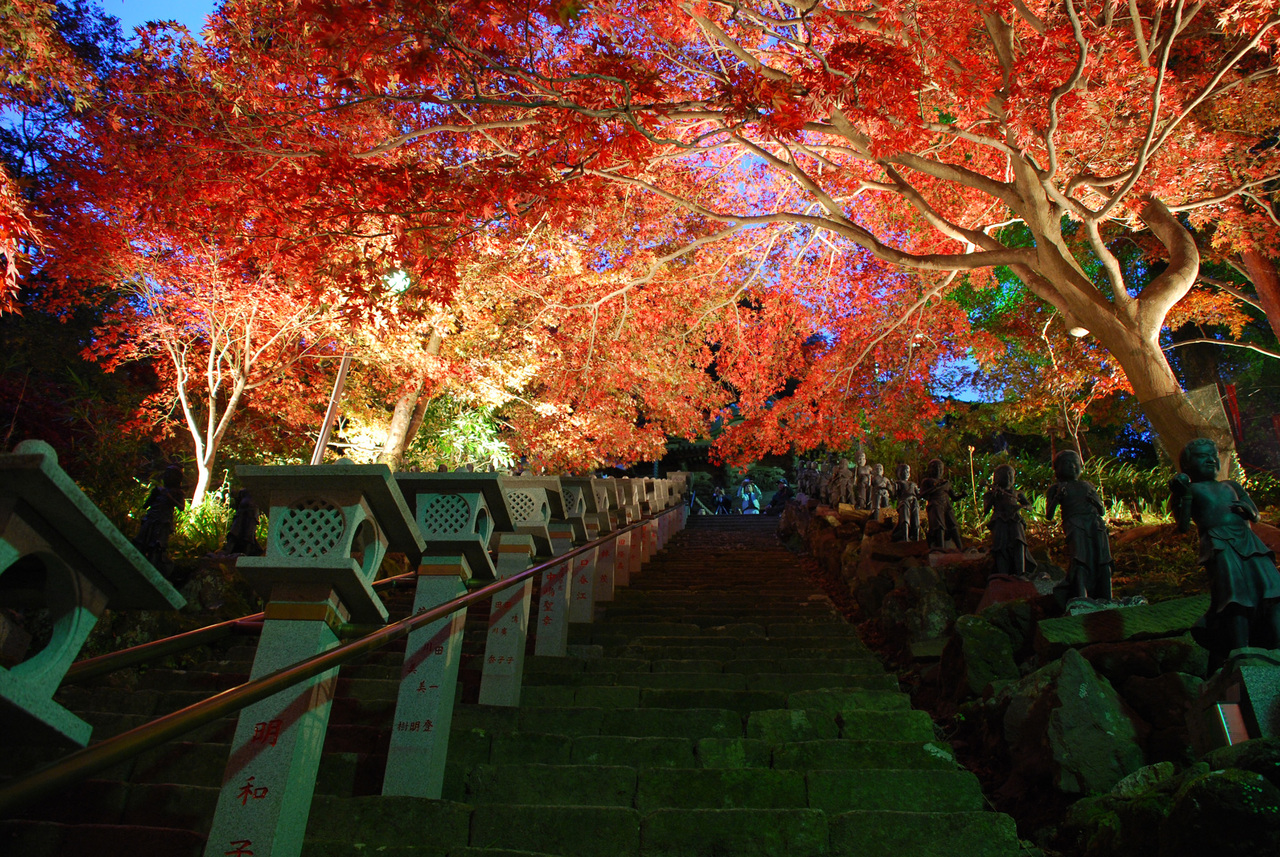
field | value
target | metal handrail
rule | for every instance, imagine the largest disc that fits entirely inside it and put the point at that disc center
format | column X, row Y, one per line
column 112, row 751
column 143, row 652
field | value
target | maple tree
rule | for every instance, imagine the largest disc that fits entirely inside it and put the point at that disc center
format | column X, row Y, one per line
column 219, row 333
column 911, row 131
column 618, row 218
column 39, row 68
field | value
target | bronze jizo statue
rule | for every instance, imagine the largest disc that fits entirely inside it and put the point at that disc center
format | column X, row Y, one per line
column 936, row 491
column 1088, row 550
column 881, row 491
column 908, row 497
column 840, row 488
column 1245, row 605
column 1009, row 546
column 862, row 475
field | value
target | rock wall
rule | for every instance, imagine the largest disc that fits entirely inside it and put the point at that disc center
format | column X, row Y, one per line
column 1077, row 725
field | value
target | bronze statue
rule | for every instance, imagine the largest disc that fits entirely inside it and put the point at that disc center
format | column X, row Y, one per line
column 862, row 483
column 936, row 491
column 1008, row 533
column 1245, row 585
column 1088, row 550
column 880, row 491
column 824, row 477
column 908, row 497
column 840, row 489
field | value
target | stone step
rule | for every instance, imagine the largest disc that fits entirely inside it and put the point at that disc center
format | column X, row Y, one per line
column 853, row 753
column 845, row 790
column 378, row 824
column 790, row 725
column 31, row 838
column 923, row 834
column 783, row 682
column 552, row 785
column 745, row 832
column 583, row 831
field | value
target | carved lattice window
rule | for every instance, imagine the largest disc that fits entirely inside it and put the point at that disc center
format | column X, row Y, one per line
column 311, row 528
column 523, row 507
column 446, row 515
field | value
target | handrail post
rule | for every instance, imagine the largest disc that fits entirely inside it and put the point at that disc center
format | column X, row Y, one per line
column 428, row 685
column 456, row 514
column 329, row 528
column 503, row 666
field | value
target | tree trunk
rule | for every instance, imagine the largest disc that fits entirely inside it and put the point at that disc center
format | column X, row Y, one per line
column 401, row 418
column 408, row 414
column 415, row 422
column 204, row 474
column 1174, row 419
column 1262, row 271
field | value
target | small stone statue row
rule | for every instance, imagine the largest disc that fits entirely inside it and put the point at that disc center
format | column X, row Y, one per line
column 1089, row 552
column 838, row 481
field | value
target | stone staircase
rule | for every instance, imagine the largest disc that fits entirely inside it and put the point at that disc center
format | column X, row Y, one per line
column 719, row 706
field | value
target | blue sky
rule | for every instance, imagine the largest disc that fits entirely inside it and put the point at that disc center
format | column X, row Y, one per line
column 134, row 12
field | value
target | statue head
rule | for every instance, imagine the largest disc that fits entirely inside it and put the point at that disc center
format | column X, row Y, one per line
column 844, row 464
column 936, row 468
column 1067, row 465
column 1003, row 476
column 862, row 458
column 904, row 471
column 879, row 470
column 1200, row 460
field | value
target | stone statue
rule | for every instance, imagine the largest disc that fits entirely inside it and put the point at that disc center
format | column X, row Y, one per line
column 1245, row 586
column 824, row 477
column 1088, row 551
column 1008, row 533
column 810, row 488
column 840, row 487
column 862, row 483
column 908, row 497
column 157, row 524
column 880, row 491
column 242, row 535
column 936, row 491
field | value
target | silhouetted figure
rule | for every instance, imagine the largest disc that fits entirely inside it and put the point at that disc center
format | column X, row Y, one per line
column 242, row 535
column 721, row 501
column 1088, row 550
column 779, row 498
column 157, row 524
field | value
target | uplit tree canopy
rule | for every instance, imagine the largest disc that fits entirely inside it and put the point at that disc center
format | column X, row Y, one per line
column 772, row 196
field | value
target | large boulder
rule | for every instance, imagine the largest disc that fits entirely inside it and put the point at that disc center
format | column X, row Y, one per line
column 1069, row 719
column 1231, row 813
column 979, row 655
column 1147, row 658
column 1017, row 619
